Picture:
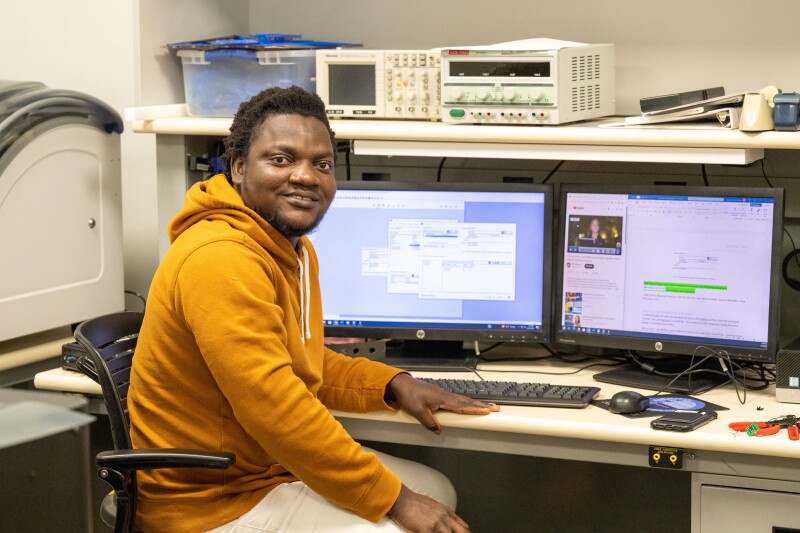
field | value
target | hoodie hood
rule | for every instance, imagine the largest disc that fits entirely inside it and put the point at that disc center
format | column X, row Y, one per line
column 216, row 199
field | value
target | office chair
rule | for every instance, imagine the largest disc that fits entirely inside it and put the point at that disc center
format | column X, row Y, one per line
column 110, row 341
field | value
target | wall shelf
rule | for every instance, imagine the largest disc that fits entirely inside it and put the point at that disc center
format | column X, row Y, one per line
column 588, row 141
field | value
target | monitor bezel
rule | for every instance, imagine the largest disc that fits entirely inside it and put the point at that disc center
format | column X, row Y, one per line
column 463, row 333
column 654, row 344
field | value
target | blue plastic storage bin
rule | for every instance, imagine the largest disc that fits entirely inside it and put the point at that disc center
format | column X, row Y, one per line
column 220, row 74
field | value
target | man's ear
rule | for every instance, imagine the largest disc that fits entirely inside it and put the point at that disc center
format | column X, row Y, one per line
column 237, row 172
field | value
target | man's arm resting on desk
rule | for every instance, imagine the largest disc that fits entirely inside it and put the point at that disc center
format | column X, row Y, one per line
column 421, row 400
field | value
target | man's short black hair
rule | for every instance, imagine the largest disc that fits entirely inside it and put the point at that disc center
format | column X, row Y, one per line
column 268, row 103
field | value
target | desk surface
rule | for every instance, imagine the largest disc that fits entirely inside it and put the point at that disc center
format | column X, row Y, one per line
column 515, row 423
column 31, row 415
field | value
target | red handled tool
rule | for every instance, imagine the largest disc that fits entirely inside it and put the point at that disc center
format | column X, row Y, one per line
column 770, row 427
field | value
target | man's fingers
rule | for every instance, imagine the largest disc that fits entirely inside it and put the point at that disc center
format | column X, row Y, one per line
column 468, row 406
column 429, row 421
column 461, row 522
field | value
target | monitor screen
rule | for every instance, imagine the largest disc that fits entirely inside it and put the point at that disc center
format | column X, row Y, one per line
column 434, row 261
column 665, row 269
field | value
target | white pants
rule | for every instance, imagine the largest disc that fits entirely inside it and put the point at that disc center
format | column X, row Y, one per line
column 293, row 507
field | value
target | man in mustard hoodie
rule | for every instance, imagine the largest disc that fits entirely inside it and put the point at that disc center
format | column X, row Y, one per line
column 231, row 356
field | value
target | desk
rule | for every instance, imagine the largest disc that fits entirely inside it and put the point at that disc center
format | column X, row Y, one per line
column 23, row 357
column 44, row 454
column 758, row 475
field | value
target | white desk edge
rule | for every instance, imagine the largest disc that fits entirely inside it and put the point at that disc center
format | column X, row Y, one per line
column 591, row 423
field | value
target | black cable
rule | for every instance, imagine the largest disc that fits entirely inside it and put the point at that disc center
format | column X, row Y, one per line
column 347, row 160
column 555, row 169
column 439, row 172
column 705, row 176
column 517, row 371
column 764, row 173
column 492, row 347
column 142, row 298
column 791, row 282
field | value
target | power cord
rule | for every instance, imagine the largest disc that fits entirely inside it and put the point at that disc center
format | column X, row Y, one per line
column 142, row 298
column 794, row 283
column 735, row 372
column 439, row 172
column 552, row 172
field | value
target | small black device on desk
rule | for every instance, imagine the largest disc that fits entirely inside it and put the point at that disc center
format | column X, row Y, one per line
column 513, row 393
column 70, row 353
column 683, row 420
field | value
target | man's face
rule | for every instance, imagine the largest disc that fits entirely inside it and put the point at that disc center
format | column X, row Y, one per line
column 288, row 175
column 595, row 226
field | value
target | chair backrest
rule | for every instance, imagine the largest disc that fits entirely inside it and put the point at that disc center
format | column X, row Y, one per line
column 111, row 341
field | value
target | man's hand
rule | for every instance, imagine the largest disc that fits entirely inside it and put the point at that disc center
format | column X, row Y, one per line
column 416, row 513
column 421, row 400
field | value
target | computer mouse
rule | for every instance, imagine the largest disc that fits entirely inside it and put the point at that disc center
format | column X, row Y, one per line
column 628, row 402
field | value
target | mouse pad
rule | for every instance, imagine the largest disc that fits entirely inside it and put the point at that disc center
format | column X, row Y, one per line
column 668, row 403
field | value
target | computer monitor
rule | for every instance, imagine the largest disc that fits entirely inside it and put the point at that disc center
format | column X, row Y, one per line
column 686, row 271
column 435, row 265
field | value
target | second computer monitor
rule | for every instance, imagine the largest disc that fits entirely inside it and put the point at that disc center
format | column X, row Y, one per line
column 670, row 270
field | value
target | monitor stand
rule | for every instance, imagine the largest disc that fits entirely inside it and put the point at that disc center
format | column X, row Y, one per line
column 634, row 376
column 430, row 356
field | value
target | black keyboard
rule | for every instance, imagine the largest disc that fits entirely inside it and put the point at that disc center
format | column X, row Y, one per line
column 514, row 393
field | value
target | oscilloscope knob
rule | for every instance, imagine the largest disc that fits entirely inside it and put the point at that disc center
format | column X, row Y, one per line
column 398, row 96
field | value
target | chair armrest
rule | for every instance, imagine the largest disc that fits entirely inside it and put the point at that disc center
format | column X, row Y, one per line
column 146, row 459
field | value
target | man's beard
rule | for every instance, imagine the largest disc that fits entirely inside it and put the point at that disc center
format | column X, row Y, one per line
column 283, row 227
column 275, row 220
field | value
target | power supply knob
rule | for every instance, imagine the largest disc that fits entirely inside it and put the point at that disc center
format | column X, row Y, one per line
column 536, row 94
column 482, row 93
column 509, row 93
column 456, row 93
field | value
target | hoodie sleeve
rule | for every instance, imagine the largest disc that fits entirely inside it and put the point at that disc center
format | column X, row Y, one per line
column 355, row 384
column 229, row 306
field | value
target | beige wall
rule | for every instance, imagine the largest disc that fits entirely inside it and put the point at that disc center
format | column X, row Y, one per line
column 115, row 51
column 661, row 47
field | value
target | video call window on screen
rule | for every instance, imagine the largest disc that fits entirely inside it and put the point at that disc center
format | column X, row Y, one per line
column 595, row 234
column 696, row 267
